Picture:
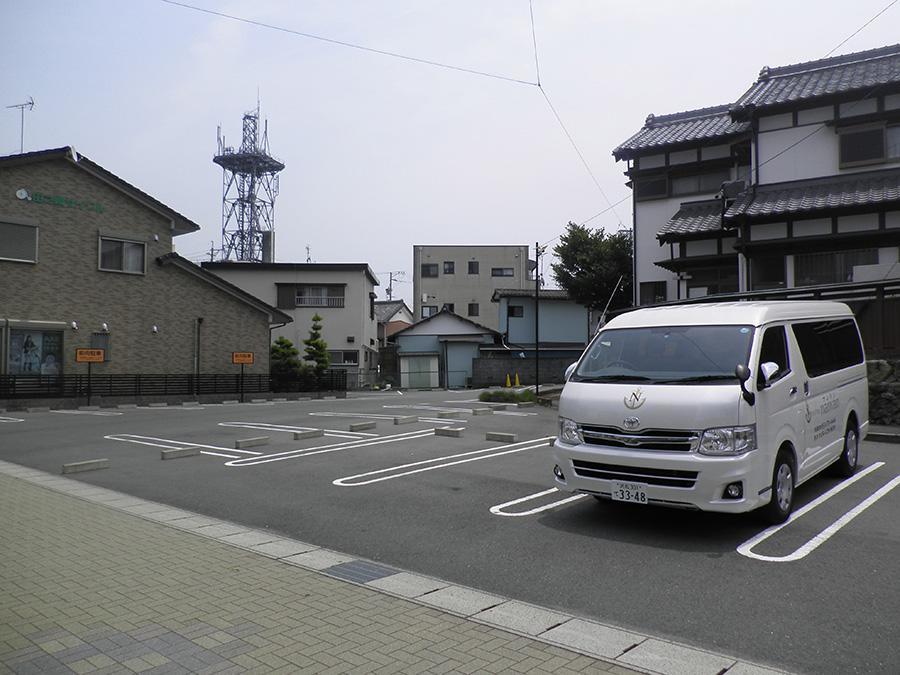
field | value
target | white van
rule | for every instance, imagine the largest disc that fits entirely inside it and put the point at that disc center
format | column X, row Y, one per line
column 720, row 407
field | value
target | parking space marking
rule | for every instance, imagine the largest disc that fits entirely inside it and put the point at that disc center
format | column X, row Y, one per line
column 514, row 413
column 100, row 413
column 377, row 416
column 746, row 549
column 433, row 408
column 485, row 453
column 498, row 510
column 334, row 447
column 10, row 420
column 173, row 444
column 262, row 426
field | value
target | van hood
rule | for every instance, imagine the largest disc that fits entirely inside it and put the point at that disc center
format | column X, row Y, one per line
column 656, row 406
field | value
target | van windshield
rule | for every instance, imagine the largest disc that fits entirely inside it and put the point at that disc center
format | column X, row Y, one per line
column 666, row 355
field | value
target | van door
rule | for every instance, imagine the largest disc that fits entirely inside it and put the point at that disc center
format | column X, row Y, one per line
column 781, row 413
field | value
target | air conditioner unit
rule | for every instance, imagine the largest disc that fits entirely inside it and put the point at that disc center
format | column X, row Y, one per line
column 351, row 338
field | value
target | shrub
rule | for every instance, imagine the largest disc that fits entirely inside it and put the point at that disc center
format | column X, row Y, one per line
column 507, row 396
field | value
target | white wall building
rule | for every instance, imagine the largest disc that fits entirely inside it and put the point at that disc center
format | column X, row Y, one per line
column 464, row 278
column 343, row 294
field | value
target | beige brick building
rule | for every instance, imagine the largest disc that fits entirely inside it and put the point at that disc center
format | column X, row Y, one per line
column 86, row 260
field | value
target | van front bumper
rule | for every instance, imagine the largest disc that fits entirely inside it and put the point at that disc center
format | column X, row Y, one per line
column 676, row 479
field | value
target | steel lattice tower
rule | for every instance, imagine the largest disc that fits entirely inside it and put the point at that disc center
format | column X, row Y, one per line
column 249, row 188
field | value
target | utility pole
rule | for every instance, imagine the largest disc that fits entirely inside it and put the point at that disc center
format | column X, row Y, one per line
column 390, row 288
column 537, row 300
column 21, row 106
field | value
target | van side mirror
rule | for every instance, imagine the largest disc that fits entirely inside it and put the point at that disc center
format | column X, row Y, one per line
column 742, row 373
column 769, row 369
column 570, row 370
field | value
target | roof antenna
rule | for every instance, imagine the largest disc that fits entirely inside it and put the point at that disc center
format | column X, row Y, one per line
column 21, row 106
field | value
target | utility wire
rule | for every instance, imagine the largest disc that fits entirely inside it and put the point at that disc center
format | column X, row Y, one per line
column 351, row 45
column 587, row 220
column 840, row 44
column 537, row 65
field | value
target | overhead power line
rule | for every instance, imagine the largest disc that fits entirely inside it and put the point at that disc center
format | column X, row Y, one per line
column 853, row 34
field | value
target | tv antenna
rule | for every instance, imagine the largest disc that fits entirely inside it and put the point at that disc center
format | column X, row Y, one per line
column 21, row 106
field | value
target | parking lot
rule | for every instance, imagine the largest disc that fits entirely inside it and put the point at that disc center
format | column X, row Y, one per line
column 818, row 594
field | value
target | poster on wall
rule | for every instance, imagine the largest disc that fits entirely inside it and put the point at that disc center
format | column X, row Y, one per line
column 35, row 352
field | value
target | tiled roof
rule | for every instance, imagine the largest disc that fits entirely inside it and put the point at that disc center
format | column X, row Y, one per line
column 385, row 309
column 691, row 218
column 546, row 294
column 836, row 75
column 660, row 131
column 851, row 190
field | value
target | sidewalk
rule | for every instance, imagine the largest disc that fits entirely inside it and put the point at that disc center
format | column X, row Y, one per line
column 89, row 588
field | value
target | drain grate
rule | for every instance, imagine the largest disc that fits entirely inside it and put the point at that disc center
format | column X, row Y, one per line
column 359, row 571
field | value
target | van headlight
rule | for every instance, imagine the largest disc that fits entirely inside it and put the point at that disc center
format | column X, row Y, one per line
column 728, row 441
column 569, row 432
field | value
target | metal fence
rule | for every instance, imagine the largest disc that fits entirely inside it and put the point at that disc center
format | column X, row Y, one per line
column 67, row 386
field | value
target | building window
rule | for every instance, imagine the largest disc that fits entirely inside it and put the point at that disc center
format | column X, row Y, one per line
column 319, row 296
column 831, row 267
column 515, row 311
column 449, row 306
column 651, row 187
column 120, row 255
column 449, row 267
column 429, row 270
column 343, row 358
column 709, row 181
column 502, row 272
column 712, row 280
column 428, row 310
column 767, row 272
column 653, row 292
column 869, row 145
column 473, row 267
column 18, row 242
column 35, row 352
column 473, row 309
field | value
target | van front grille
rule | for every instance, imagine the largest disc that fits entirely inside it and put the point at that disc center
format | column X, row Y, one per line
column 635, row 474
column 664, row 440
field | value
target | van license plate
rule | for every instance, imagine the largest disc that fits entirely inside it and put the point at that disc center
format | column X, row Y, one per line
column 629, row 492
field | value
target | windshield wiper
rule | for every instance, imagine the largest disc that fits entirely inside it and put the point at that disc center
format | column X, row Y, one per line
column 613, row 378
column 697, row 379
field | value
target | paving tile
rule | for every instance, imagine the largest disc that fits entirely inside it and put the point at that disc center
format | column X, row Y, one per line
column 283, row 548
column 318, row 559
column 248, row 539
column 672, row 659
column 520, row 617
column 741, row 668
column 594, row 638
column 408, row 585
column 219, row 530
column 465, row 601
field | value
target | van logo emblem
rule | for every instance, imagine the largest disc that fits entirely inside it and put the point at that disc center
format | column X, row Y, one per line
column 635, row 400
column 631, row 422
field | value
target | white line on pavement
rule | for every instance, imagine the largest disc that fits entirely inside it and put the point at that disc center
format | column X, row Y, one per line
column 746, row 549
column 101, row 413
column 499, row 509
column 10, row 420
column 172, row 444
column 263, row 426
column 503, row 450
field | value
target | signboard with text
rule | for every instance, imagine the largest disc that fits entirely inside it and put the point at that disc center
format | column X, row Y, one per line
column 89, row 355
column 242, row 358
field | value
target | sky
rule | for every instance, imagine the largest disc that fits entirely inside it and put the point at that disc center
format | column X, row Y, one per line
column 383, row 153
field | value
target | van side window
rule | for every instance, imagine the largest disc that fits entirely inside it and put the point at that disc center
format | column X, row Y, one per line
column 774, row 349
column 827, row 346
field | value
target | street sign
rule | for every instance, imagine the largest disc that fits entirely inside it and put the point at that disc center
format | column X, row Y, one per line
column 90, row 355
column 242, row 358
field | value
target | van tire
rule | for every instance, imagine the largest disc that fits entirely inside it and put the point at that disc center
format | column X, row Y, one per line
column 784, row 481
column 846, row 464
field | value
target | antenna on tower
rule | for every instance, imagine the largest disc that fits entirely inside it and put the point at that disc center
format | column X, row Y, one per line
column 249, row 188
column 21, row 106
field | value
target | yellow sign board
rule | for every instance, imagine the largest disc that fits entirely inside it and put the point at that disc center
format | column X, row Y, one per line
column 89, row 355
column 243, row 358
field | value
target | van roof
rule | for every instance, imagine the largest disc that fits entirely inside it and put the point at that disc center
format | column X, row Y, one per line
column 730, row 313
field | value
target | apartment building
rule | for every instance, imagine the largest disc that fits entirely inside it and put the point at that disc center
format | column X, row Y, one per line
column 792, row 190
column 463, row 279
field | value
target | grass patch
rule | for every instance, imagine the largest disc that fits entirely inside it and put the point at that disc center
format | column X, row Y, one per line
column 506, row 396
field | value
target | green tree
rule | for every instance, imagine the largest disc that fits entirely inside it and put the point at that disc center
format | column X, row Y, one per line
column 284, row 361
column 316, row 352
column 590, row 263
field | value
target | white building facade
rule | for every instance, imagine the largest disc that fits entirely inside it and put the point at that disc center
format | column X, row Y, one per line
column 463, row 279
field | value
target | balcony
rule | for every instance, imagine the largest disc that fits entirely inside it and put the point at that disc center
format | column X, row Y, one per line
column 311, row 301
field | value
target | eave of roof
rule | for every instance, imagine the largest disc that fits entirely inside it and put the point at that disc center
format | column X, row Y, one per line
column 293, row 267
column 446, row 312
column 835, row 77
column 546, row 294
column 689, row 128
column 276, row 316
column 180, row 223
column 691, row 219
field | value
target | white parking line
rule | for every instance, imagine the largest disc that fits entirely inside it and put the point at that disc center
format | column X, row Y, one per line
column 433, row 408
column 499, row 509
column 335, row 447
column 504, row 450
column 746, row 549
column 10, row 420
column 377, row 416
column 262, row 426
column 172, row 444
column 101, row 413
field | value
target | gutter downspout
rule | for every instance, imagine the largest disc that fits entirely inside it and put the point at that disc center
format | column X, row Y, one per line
column 197, row 322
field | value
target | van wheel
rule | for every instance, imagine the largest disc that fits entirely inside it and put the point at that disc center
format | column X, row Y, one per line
column 846, row 464
column 779, row 509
